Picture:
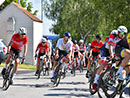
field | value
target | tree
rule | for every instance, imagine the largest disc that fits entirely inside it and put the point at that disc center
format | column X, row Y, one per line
column 23, row 3
column 87, row 17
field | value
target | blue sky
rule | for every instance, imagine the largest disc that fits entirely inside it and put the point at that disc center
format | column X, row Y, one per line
column 46, row 22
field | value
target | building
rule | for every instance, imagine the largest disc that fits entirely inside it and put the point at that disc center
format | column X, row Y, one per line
column 13, row 17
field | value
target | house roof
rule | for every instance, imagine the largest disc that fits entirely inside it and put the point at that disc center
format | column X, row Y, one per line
column 27, row 12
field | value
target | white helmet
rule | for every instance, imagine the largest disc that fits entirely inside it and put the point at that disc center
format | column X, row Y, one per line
column 81, row 41
column 114, row 32
column 43, row 40
column 22, row 30
column 122, row 29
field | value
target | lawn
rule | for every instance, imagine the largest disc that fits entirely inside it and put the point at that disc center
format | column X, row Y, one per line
column 23, row 66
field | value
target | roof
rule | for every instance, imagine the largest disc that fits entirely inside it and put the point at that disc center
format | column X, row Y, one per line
column 27, row 12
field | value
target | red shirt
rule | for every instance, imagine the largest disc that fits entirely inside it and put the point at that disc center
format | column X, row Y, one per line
column 41, row 48
column 82, row 47
column 18, row 42
column 94, row 43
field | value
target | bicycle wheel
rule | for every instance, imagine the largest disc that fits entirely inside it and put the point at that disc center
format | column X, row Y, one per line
column 8, row 78
column 109, row 82
column 40, row 70
column 58, row 73
column 92, row 76
column 44, row 69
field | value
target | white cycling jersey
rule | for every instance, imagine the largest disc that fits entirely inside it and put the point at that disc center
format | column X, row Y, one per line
column 62, row 46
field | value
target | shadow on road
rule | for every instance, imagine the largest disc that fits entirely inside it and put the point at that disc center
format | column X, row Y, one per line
column 68, row 95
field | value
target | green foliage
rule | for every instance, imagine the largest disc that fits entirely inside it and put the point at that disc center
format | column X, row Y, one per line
column 85, row 18
column 23, row 3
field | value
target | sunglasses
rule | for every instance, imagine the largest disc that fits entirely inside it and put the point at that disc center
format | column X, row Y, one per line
column 122, row 33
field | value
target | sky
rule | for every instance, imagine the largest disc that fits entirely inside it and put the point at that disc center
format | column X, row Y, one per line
column 47, row 24
column 1, row 1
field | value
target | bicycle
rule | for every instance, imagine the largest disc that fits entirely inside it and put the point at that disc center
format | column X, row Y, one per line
column 7, row 78
column 58, row 72
column 43, row 67
column 116, row 86
column 107, row 79
column 92, row 74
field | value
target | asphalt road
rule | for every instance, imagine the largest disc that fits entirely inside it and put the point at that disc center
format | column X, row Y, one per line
column 27, row 86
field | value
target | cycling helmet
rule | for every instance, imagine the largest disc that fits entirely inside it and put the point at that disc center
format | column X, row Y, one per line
column 2, row 57
column 98, row 36
column 114, row 32
column 122, row 29
column 75, row 41
column 43, row 40
column 67, row 34
column 81, row 41
column 22, row 30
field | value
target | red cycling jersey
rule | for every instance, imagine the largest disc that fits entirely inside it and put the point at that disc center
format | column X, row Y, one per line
column 42, row 49
column 18, row 42
column 99, row 45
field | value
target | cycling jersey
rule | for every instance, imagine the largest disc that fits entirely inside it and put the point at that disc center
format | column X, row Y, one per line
column 112, row 40
column 82, row 47
column 41, row 48
column 125, row 41
column 18, row 42
column 94, row 43
column 64, row 47
column 75, row 48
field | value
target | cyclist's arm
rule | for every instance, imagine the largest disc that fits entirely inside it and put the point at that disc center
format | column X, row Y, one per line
column 111, row 49
column 9, row 45
column 25, row 49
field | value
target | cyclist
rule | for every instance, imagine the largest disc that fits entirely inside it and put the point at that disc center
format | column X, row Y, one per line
column 49, row 51
column 108, row 50
column 75, row 52
column 18, row 40
column 82, row 50
column 123, row 49
column 63, row 47
column 95, row 47
column 42, row 49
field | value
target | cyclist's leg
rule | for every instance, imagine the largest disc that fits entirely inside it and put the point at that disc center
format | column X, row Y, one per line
column 104, row 53
column 125, row 53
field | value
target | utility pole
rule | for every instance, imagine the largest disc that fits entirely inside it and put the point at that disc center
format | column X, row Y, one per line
column 42, row 5
column 18, row 1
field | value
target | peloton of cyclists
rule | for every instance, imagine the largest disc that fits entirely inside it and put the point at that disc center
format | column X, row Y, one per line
column 108, row 50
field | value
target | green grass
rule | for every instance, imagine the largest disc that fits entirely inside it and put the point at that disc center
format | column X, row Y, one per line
column 23, row 66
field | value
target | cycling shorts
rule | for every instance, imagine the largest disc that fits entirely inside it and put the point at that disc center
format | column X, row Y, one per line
column 39, row 55
column 95, row 54
column 119, row 50
column 15, row 51
column 104, row 53
column 76, row 54
column 81, row 52
column 62, row 52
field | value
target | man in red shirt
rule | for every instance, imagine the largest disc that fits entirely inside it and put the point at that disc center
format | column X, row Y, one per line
column 95, row 47
column 42, row 49
column 16, row 43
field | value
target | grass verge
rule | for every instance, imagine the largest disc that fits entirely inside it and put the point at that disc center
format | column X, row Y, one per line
column 23, row 66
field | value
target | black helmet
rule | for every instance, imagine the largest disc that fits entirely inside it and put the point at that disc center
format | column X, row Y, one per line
column 67, row 34
column 75, row 41
column 98, row 36
column 2, row 57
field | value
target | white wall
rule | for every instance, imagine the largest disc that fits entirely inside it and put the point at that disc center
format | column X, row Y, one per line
column 21, row 20
column 37, row 35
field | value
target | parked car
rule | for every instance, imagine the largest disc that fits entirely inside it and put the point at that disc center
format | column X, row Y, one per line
column 3, row 46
